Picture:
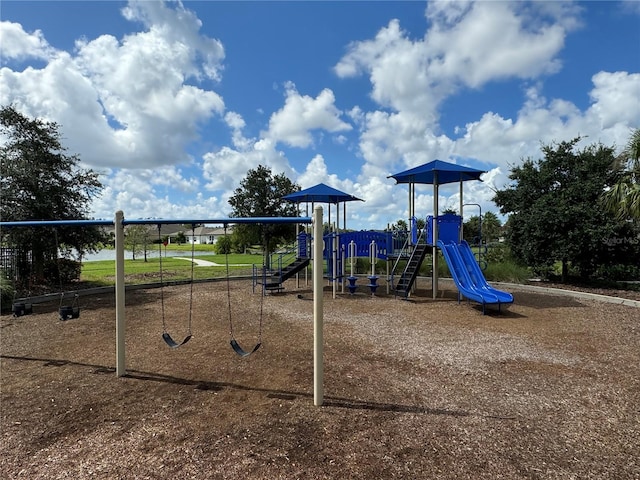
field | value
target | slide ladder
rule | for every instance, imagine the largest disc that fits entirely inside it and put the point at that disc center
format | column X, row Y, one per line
column 410, row 272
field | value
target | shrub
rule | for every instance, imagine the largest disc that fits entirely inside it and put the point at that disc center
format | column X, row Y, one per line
column 223, row 245
column 506, row 271
column 62, row 270
column 363, row 266
column 618, row 272
column 7, row 292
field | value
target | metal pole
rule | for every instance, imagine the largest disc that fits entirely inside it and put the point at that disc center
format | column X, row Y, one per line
column 479, row 229
column 334, row 261
column 460, row 237
column 318, row 341
column 120, row 310
column 343, row 267
column 344, row 216
column 434, row 262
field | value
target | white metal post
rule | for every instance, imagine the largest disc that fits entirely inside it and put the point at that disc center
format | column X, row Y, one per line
column 318, row 341
column 120, row 292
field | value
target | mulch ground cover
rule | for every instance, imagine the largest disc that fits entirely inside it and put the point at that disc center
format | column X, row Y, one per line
column 549, row 388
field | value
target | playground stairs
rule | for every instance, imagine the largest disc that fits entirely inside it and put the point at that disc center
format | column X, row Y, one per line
column 277, row 278
column 291, row 269
column 410, row 272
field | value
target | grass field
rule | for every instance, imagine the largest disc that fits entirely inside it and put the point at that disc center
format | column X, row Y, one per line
column 138, row 271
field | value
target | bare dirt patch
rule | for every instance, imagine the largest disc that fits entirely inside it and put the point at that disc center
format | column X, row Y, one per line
column 420, row 389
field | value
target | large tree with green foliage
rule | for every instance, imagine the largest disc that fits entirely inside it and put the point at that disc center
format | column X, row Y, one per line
column 491, row 228
column 623, row 198
column 40, row 181
column 260, row 195
column 554, row 210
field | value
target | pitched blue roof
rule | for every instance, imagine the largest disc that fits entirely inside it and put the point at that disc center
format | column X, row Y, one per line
column 444, row 172
column 320, row 193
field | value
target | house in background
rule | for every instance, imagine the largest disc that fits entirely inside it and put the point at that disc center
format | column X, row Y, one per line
column 200, row 235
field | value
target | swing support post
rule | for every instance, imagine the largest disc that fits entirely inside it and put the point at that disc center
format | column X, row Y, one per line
column 318, row 340
column 120, row 292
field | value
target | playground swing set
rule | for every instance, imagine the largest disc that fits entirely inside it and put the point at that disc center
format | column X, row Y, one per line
column 168, row 339
column 166, row 336
column 120, row 323
column 233, row 342
column 66, row 310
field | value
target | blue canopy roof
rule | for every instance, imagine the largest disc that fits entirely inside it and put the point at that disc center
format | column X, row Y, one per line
column 320, row 193
column 444, row 172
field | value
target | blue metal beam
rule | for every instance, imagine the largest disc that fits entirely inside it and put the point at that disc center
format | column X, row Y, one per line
column 56, row 223
column 217, row 221
column 155, row 221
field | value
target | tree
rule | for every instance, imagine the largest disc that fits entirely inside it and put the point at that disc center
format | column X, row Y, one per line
column 181, row 237
column 223, row 245
column 623, row 198
column 400, row 225
column 40, row 181
column 491, row 227
column 553, row 208
column 137, row 239
column 471, row 230
column 260, row 195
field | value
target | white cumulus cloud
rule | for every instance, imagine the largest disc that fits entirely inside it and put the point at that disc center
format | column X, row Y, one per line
column 16, row 44
column 301, row 114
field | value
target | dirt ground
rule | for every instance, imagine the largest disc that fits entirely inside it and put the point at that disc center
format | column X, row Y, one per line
column 413, row 389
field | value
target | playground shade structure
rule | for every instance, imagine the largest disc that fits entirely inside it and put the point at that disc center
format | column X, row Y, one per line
column 468, row 276
column 322, row 193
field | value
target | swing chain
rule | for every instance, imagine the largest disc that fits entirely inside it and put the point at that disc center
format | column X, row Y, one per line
column 164, row 324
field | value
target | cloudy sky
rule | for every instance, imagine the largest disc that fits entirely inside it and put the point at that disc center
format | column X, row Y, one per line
column 173, row 102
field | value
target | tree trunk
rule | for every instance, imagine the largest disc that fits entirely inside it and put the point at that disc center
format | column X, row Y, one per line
column 565, row 270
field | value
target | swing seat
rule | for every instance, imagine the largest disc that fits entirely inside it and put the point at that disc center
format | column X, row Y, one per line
column 19, row 309
column 66, row 312
column 240, row 351
column 172, row 343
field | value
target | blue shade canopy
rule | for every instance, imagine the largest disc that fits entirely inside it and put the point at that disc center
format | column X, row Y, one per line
column 320, row 193
column 444, row 172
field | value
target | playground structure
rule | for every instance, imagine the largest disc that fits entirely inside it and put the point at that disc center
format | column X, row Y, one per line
column 406, row 250
column 404, row 253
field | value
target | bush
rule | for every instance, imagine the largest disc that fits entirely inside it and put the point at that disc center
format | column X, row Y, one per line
column 223, row 245
column 507, row 271
column 363, row 266
column 496, row 253
column 6, row 292
column 62, row 270
column 618, row 272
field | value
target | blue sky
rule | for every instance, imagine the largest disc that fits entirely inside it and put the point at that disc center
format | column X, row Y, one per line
column 174, row 101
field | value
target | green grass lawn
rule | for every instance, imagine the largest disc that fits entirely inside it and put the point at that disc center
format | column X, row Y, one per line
column 138, row 271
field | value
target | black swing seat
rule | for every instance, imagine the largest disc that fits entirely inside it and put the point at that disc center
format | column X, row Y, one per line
column 20, row 308
column 172, row 343
column 67, row 311
column 240, row 351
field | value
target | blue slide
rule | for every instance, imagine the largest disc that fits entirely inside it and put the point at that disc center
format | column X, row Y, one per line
column 468, row 276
